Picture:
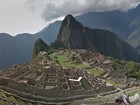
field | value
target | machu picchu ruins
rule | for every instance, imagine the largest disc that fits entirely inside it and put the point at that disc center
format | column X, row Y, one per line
column 79, row 74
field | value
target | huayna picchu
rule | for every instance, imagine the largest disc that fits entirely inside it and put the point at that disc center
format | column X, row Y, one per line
column 75, row 36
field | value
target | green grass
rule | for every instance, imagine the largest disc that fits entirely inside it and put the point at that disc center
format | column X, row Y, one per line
column 11, row 99
column 116, row 65
column 96, row 71
column 133, row 70
column 116, row 84
column 112, row 82
column 2, row 94
column 132, row 93
column 66, row 62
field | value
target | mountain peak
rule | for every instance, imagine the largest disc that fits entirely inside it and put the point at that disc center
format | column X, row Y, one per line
column 67, row 25
column 69, row 17
column 74, row 35
column 39, row 40
column 71, row 22
column 138, row 6
column 39, row 45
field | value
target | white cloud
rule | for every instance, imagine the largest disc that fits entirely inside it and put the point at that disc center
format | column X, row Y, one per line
column 16, row 18
column 19, row 16
column 74, row 7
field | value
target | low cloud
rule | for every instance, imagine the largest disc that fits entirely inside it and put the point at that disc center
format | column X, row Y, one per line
column 52, row 10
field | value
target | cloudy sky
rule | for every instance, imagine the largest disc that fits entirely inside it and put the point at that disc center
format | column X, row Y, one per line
column 30, row 16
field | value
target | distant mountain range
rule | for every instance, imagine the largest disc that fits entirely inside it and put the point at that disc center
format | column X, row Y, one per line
column 121, row 23
column 18, row 49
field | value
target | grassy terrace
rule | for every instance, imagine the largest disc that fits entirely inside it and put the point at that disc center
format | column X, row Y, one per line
column 116, row 84
column 96, row 71
column 65, row 60
column 9, row 99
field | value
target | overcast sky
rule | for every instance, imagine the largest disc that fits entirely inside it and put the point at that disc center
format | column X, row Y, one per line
column 30, row 16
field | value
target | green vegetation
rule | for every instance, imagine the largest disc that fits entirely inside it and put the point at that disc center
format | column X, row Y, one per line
column 116, row 84
column 38, row 58
column 40, row 45
column 9, row 99
column 122, row 68
column 133, row 70
column 134, row 37
column 112, row 82
column 132, row 93
column 96, row 71
column 85, row 84
column 116, row 65
column 103, row 41
column 66, row 61
column 57, row 45
column 130, row 68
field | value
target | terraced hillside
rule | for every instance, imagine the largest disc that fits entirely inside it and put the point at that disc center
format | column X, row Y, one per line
column 8, row 99
column 109, row 69
column 65, row 75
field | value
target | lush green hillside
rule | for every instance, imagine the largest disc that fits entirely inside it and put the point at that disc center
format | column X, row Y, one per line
column 133, row 70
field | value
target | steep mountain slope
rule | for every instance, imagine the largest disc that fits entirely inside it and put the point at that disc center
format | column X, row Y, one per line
column 49, row 34
column 134, row 38
column 40, row 45
column 74, row 35
column 115, row 21
column 125, row 25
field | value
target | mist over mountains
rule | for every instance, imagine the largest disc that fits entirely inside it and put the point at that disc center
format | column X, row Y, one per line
column 18, row 49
